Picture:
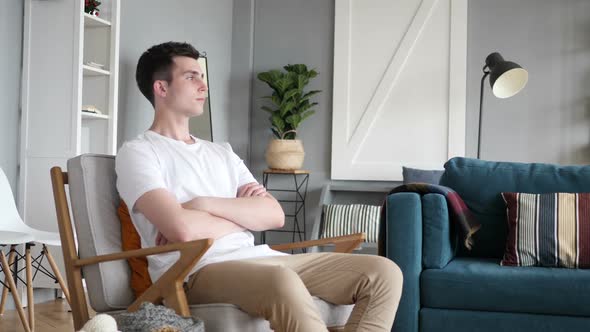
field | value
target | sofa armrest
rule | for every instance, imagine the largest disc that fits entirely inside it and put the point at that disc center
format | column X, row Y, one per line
column 403, row 245
column 437, row 249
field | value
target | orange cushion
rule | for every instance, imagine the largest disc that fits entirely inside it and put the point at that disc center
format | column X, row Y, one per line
column 130, row 240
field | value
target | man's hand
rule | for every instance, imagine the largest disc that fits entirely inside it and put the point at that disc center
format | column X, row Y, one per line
column 251, row 189
column 161, row 240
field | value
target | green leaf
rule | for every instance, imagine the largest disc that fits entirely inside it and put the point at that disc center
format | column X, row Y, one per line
column 302, row 81
column 287, row 108
column 293, row 120
column 304, row 104
column 311, row 93
column 276, row 100
column 283, row 84
column 290, row 94
column 298, row 68
column 292, row 78
column 270, row 78
column 307, row 106
column 278, row 122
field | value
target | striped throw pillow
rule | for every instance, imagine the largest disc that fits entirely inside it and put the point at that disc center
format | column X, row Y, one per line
column 345, row 219
column 550, row 230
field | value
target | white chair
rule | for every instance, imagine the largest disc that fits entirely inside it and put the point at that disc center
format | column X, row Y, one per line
column 10, row 221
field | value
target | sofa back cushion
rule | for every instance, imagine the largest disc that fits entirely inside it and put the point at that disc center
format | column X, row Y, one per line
column 480, row 184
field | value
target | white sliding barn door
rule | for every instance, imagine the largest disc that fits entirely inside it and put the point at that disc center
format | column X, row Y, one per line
column 399, row 86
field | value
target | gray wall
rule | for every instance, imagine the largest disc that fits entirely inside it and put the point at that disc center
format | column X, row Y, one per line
column 241, row 77
column 549, row 121
column 11, row 25
column 207, row 25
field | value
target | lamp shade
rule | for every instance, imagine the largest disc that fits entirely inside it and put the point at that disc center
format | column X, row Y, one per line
column 506, row 77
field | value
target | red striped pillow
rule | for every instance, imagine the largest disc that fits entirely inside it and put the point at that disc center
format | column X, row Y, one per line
column 550, row 230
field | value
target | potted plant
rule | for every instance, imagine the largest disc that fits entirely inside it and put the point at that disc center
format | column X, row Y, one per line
column 288, row 106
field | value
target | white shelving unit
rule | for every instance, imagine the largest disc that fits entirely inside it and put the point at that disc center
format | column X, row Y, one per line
column 60, row 40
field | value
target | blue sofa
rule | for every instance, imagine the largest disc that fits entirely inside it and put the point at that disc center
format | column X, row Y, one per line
column 448, row 288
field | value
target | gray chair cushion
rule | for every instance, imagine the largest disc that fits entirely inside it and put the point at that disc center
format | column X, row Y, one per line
column 94, row 201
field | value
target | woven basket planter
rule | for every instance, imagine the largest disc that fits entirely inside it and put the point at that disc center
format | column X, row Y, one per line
column 286, row 154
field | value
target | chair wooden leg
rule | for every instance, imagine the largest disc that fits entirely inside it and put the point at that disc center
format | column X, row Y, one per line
column 30, row 299
column 14, row 291
column 5, row 289
column 60, row 280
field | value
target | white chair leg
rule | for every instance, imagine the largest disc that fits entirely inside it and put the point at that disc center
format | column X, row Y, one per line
column 14, row 291
column 5, row 289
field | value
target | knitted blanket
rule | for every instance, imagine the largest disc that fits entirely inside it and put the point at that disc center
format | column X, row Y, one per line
column 459, row 212
column 157, row 318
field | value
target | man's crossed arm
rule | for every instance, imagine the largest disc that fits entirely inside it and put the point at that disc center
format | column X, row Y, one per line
column 253, row 208
column 210, row 217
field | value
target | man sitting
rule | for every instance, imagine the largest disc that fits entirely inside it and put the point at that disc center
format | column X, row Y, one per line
column 180, row 188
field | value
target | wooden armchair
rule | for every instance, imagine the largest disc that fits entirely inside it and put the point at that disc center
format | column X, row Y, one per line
column 94, row 200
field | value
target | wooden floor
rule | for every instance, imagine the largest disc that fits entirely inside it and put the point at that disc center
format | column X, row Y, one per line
column 50, row 316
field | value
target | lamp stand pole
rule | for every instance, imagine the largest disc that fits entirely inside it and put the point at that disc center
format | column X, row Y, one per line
column 485, row 74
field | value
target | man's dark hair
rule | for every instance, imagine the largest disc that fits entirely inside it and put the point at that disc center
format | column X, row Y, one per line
column 156, row 64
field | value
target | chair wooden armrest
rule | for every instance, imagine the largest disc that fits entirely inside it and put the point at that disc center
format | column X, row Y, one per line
column 169, row 286
column 343, row 244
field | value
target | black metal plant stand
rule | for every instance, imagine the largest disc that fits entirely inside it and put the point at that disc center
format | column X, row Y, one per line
column 300, row 182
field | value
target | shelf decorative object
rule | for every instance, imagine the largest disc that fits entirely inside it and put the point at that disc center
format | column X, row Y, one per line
column 91, row 7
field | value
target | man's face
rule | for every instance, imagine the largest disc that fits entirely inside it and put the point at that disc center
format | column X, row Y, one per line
column 187, row 91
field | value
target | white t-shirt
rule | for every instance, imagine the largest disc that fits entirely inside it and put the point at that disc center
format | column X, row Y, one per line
column 152, row 161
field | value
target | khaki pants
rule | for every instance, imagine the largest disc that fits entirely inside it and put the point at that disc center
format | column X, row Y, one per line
column 280, row 289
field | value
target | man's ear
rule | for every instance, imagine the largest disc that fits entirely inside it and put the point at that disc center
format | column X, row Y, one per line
column 160, row 88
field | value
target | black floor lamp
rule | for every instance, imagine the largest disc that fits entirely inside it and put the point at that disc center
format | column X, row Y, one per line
column 506, row 78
